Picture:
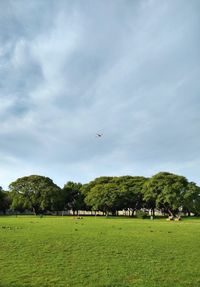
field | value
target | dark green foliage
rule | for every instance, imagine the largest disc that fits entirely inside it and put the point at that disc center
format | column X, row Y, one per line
column 192, row 199
column 4, row 200
column 37, row 193
column 110, row 194
column 105, row 197
column 73, row 197
column 18, row 203
column 133, row 186
column 165, row 191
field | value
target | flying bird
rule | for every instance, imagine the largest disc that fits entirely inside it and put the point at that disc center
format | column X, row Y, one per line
column 99, row 135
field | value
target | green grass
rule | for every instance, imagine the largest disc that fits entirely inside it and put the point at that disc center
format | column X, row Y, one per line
column 62, row 251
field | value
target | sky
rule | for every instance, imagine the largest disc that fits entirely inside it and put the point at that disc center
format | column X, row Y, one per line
column 128, row 69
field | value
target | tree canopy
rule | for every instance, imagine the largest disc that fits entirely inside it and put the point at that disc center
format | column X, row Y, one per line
column 110, row 194
column 36, row 192
column 5, row 200
column 73, row 198
column 164, row 191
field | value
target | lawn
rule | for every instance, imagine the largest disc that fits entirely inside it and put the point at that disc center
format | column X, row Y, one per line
column 64, row 251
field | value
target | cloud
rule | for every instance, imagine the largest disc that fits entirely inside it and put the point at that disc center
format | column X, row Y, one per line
column 128, row 69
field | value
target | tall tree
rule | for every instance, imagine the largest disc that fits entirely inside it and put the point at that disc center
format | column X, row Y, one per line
column 110, row 194
column 5, row 200
column 1, row 198
column 73, row 197
column 107, row 194
column 105, row 197
column 192, row 199
column 37, row 192
column 133, row 186
column 166, row 191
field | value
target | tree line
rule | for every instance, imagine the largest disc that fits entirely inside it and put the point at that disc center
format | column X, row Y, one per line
column 167, row 192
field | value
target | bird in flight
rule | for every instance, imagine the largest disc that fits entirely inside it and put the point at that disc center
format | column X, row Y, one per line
column 99, row 135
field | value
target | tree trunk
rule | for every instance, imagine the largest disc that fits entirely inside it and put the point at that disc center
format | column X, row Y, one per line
column 34, row 210
column 170, row 213
column 153, row 212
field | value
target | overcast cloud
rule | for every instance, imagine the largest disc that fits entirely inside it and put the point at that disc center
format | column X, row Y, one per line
column 127, row 69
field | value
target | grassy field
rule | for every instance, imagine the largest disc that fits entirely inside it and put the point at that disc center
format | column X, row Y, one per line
column 63, row 251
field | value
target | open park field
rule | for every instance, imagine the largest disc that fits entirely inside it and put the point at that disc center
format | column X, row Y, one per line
column 65, row 251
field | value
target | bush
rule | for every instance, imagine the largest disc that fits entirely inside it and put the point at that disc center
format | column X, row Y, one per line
column 141, row 214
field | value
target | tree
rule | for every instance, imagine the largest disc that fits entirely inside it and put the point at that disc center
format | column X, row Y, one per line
column 1, row 197
column 17, row 202
column 73, row 198
column 192, row 199
column 110, row 194
column 5, row 200
column 106, row 197
column 165, row 191
column 36, row 192
column 86, row 189
column 133, row 187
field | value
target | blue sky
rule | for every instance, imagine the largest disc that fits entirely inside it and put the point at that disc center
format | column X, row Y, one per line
column 127, row 69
